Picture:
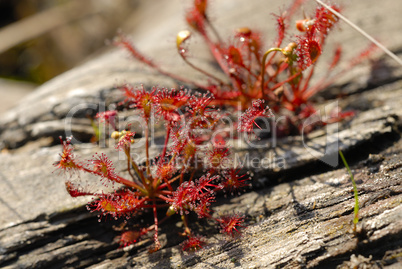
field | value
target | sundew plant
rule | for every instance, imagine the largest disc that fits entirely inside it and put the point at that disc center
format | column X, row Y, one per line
column 168, row 181
column 195, row 163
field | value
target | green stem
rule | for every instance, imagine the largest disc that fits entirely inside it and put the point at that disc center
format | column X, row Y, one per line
column 356, row 210
column 264, row 59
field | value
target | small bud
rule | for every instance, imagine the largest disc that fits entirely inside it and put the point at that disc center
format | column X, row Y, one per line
column 181, row 37
column 288, row 50
column 125, row 138
column 304, row 25
column 115, row 135
column 289, row 53
column 243, row 31
column 171, row 211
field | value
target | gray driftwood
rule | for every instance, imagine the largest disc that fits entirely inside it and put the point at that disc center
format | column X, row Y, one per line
column 298, row 216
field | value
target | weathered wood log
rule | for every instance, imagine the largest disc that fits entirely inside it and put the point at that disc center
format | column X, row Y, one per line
column 85, row 88
column 305, row 222
column 298, row 215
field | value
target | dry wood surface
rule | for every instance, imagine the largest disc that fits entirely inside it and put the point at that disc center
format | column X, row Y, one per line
column 298, row 216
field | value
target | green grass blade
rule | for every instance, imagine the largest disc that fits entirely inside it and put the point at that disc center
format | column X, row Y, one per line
column 356, row 211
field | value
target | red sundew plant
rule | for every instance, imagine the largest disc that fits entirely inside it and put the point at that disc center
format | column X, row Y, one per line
column 193, row 243
column 280, row 75
column 167, row 181
column 259, row 81
column 230, row 224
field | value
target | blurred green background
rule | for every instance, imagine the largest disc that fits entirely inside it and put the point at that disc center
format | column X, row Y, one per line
column 40, row 39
